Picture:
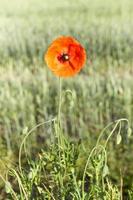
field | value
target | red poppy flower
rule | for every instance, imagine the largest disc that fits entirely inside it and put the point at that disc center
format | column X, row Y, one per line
column 65, row 56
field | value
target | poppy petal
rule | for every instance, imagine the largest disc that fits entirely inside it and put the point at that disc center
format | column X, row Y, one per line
column 65, row 56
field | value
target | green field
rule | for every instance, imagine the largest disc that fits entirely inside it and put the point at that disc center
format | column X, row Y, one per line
column 100, row 95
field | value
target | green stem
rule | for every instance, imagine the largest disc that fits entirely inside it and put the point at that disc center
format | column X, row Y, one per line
column 26, row 136
column 59, row 133
column 60, row 136
column 59, row 114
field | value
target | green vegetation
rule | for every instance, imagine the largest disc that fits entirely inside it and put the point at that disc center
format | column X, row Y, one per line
column 99, row 96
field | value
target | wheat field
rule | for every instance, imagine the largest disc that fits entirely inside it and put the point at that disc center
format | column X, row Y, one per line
column 94, row 160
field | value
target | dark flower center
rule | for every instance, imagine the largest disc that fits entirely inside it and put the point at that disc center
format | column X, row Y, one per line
column 63, row 57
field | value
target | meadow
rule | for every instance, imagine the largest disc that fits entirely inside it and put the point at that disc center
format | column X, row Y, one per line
column 96, row 103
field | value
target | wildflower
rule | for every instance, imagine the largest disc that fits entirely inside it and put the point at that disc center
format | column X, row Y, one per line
column 65, row 56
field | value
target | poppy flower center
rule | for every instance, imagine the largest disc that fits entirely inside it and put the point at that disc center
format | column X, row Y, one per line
column 63, row 57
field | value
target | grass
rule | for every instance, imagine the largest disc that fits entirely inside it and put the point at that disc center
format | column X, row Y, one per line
column 100, row 94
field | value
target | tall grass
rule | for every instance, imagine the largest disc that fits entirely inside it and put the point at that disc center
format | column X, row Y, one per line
column 65, row 170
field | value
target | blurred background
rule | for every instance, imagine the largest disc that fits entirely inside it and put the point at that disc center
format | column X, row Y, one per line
column 101, row 93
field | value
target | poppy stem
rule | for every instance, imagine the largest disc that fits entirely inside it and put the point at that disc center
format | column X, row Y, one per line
column 59, row 107
column 59, row 134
